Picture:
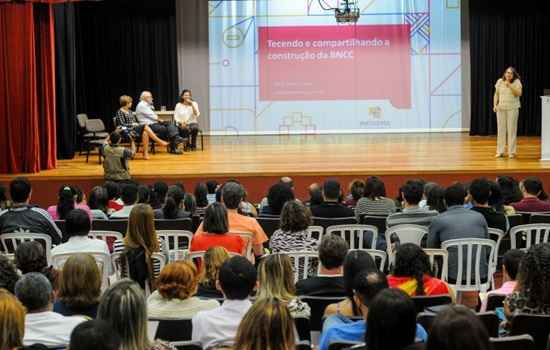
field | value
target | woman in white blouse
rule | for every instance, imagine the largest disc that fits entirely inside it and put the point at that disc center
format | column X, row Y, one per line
column 186, row 117
column 506, row 104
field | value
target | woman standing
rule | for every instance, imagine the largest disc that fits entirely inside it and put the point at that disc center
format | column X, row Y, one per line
column 508, row 90
column 186, row 117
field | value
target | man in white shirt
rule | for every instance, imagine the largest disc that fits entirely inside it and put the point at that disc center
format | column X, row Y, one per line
column 42, row 325
column 236, row 280
column 129, row 198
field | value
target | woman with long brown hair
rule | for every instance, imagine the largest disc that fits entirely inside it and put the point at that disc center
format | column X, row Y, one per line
column 214, row 257
column 506, row 104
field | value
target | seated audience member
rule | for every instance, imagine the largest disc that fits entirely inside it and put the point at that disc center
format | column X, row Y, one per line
column 268, row 325
column 412, row 273
column 285, row 180
column 158, row 195
column 293, row 234
column 216, row 228
column 173, row 205
column 130, row 128
column 12, row 321
column 496, row 200
column 129, row 196
column 66, row 203
column 374, row 201
column 435, row 198
column 357, row 190
column 232, row 195
column 532, row 292
column 8, row 274
column 217, row 327
column 457, row 327
column 22, row 217
column 511, row 192
column 531, row 188
column 115, row 164
column 42, row 325
column 510, row 266
column 278, row 195
column 174, row 297
column 355, row 262
column 412, row 192
column 392, row 323
column 94, row 335
column 124, row 309
column 113, row 193
column 189, row 204
column 201, row 193
column 139, row 244
column 457, row 222
column 214, row 258
column 144, row 194
column 31, row 257
column 331, row 206
column 330, row 280
column 480, row 190
column 98, row 201
column 315, row 195
column 77, row 227
column 276, row 281
column 211, row 186
column 79, row 287
column 5, row 203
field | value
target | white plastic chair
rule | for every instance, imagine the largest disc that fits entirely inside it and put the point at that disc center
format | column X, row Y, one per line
column 407, row 233
column 199, row 254
column 176, row 240
column 120, row 265
column 103, row 263
column 531, row 233
column 10, row 241
column 315, row 232
column 377, row 255
column 248, row 238
column 355, row 234
column 302, row 263
column 496, row 235
column 471, row 252
column 441, row 273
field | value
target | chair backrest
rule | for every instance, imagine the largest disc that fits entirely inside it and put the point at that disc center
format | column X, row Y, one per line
column 537, row 326
column 531, row 233
column 94, row 125
column 406, row 233
column 539, row 218
column 81, row 119
column 514, row 342
column 515, row 220
column 178, row 242
column 317, row 306
column 422, row 302
column 341, row 344
column 173, row 330
column 379, row 221
column 426, row 320
column 494, row 301
column 303, row 328
column 248, row 237
column 268, row 224
column 497, row 235
column 440, row 269
column 470, row 253
column 315, row 232
column 302, row 263
column 357, row 236
column 303, row 345
column 120, row 264
column 491, row 322
column 185, row 345
column 108, row 236
column 177, row 224
column 103, row 262
column 326, row 222
column 10, row 241
column 378, row 256
column 120, row 226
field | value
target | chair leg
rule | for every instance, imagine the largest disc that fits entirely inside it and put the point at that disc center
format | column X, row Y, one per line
column 202, row 141
column 87, row 153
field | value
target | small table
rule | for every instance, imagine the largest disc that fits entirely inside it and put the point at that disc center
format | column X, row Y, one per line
column 166, row 116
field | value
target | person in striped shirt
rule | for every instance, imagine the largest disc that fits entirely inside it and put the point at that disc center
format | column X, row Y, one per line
column 375, row 201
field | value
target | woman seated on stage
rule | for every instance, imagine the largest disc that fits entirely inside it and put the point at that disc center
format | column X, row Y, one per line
column 186, row 116
column 126, row 120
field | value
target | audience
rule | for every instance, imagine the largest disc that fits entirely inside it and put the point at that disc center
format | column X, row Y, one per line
column 173, row 205
column 115, row 158
column 496, row 200
column 212, row 187
column 276, row 281
column 98, row 201
column 374, row 201
column 174, row 297
column 113, row 193
column 480, row 190
column 531, row 189
column 201, row 196
column 457, row 327
column 31, row 257
column 329, row 281
column 23, row 217
column 67, row 202
column 412, row 273
column 5, row 203
column 457, row 222
column 189, row 204
column 435, row 198
column 392, row 323
column 42, row 325
column 144, row 194
column 331, row 206
column 268, row 325
column 315, row 195
column 293, row 234
column 214, row 258
column 510, row 189
column 94, row 335
column 218, row 327
column 357, row 190
column 79, row 287
column 8, row 274
column 412, row 192
column 129, row 196
column 510, row 267
column 278, row 195
column 285, row 180
column 158, row 195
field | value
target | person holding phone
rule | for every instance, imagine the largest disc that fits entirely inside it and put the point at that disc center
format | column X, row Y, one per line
column 506, row 104
column 186, row 116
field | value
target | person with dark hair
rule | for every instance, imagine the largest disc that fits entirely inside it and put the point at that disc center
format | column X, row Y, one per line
column 285, row 180
column 5, row 203
column 293, row 234
column 232, row 195
column 506, row 104
column 94, row 335
column 23, row 217
column 412, row 192
column 113, row 194
column 42, row 325
column 8, row 274
column 186, row 117
column 480, row 190
column 144, row 194
column 98, row 201
column 412, row 273
column 315, row 195
column 435, row 198
column 67, row 202
column 510, row 267
column 216, row 228
column 374, row 201
column 115, row 163
column 173, row 206
column 392, row 323
column 457, row 327
column 329, row 281
column 278, row 195
column 78, row 226
column 331, row 206
column 510, row 189
column 189, row 204
column 496, row 200
column 201, row 193
column 31, row 257
column 457, row 222
column 212, row 187
column 129, row 196
column 158, row 195
column 532, row 190
column 354, row 262
column 356, row 192
column 218, row 327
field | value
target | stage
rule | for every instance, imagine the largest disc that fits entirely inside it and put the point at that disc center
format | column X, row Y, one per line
column 257, row 161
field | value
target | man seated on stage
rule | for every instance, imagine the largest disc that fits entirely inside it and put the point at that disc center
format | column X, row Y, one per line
column 115, row 165
column 146, row 116
column 186, row 117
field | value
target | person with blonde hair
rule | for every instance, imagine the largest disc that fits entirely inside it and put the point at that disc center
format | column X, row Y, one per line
column 268, row 325
column 213, row 260
column 276, row 281
column 174, row 297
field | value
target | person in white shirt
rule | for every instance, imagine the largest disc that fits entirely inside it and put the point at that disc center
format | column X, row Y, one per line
column 186, row 117
column 42, row 325
column 217, row 327
column 129, row 197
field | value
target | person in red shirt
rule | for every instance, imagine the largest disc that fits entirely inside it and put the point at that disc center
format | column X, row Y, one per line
column 534, row 197
column 215, row 232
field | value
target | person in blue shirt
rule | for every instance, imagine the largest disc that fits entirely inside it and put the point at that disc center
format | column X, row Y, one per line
column 340, row 328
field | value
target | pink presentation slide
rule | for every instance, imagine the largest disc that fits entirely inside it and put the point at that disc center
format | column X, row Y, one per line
column 362, row 62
